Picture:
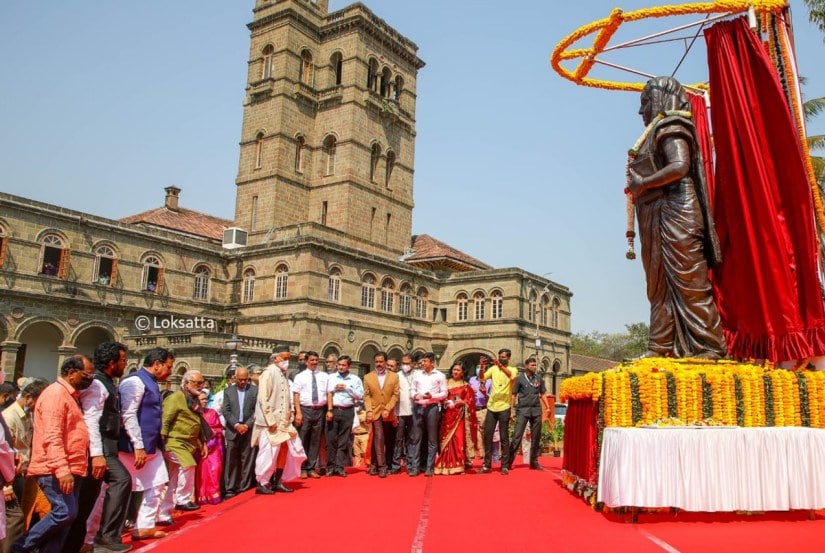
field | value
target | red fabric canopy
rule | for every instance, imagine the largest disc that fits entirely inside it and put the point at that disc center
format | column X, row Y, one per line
column 766, row 286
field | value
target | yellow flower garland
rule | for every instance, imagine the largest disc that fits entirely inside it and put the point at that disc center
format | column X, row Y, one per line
column 607, row 26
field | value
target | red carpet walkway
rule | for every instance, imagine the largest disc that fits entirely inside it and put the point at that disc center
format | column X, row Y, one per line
column 525, row 511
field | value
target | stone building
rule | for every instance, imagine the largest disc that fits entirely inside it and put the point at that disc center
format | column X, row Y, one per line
column 320, row 254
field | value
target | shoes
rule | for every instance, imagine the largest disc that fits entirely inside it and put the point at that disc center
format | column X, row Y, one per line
column 281, row 488
column 187, row 507
column 148, row 534
column 313, row 474
column 504, row 471
column 342, row 473
column 322, row 471
column 428, row 473
column 382, row 473
column 485, row 469
column 304, row 474
column 229, row 495
column 163, row 522
column 394, row 471
column 373, row 470
column 412, row 472
column 537, row 467
column 263, row 490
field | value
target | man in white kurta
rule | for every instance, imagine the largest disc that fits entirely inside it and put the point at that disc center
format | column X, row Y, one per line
column 280, row 452
column 145, row 463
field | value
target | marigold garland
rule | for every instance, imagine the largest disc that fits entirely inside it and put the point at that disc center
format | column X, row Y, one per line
column 607, row 26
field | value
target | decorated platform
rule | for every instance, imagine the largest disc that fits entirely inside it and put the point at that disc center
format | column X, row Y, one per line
column 667, row 457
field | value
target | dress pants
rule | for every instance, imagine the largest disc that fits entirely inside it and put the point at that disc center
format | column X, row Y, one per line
column 49, row 534
column 86, row 499
column 535, row 436
column 239, row 463
column 116, row 499
column 383, row 442
column 310, row 432
column 503, row 420
column 426, row 418
column 181, row 488
column 403, row 442
column 339, row 431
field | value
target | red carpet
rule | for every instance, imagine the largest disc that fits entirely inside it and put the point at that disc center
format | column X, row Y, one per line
column 525, row 511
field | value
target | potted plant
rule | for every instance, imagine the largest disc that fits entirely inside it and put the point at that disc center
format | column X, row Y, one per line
column 557, row 433
column 546, row 441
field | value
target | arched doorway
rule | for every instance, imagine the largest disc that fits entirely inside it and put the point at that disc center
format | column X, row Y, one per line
column 90, row 338
column 366, row 358
column 38, row 355
column 396, row 353
column 470, row 360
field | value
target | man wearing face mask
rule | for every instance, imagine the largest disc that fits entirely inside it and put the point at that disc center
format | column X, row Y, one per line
column 102, row 414
column 21, row 492
column 59, row 447
column 403, row 412
column 280, row 452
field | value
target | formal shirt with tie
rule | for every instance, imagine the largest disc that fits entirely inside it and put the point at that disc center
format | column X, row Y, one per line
column 311, row 387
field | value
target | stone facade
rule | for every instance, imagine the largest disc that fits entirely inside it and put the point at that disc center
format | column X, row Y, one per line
column 325, row 191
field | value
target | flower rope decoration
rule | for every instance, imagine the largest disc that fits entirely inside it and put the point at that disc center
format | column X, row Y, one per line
column 804, row 404
column 632, row 154
column 740, row 400
column 769, row 412
column 605, row 29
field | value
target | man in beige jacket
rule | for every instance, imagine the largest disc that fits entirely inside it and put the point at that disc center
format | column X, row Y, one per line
column 381, row 390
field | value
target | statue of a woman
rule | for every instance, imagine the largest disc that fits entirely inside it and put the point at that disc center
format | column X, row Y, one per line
column 676, row 229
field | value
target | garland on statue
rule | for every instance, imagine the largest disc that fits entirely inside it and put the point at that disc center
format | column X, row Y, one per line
column 632, row 154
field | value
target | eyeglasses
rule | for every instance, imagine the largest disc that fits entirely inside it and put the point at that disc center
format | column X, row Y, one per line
column 198, row 383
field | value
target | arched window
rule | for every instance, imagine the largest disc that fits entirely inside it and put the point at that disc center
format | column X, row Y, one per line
column 387, row 295
column 335, row 285
column 405, row 300
column 4, row 245
column 421, row 303
column 372, row 74
column 496, row 305
column 152, row 280
column 300, row 146
column 386, row 83
column 337, row 64
column 281, row 278
column 462, row 302
column 329, row 152
column 545, row 303
column 399, row 86
column 390, row 166
column 259, row 150
column 368, row 291
column 554, row 321
column 478, row 305
column 306, row 76
column 105, row 269
column 55, row 257
column 375, row 157
column 268, row 58
column 533, row 306
column 200, row 289
column 248, row 295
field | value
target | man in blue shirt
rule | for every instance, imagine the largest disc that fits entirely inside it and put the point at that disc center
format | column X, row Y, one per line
column 344, row 390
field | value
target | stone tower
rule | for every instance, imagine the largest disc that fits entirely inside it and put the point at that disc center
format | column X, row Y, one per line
column 328, row 136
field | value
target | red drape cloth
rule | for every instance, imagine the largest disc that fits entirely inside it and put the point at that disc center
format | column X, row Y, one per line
column 766, row 286
column 581, row 432
column 700, row 120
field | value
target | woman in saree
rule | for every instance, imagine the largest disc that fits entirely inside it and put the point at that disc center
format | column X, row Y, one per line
column 459, row 411
column 210, row 468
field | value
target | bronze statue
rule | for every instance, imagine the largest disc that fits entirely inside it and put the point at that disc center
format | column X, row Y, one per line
column 679, row 242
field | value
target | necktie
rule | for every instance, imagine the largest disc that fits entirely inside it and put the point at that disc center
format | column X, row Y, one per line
column 314, row 389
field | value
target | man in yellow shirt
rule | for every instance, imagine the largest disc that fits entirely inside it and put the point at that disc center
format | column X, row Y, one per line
column 498, row 408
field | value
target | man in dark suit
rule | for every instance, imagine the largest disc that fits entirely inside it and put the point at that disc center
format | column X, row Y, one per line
column 239, row 413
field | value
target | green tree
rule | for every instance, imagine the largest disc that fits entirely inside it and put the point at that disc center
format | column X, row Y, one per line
column 816, row 13
column 616, row 346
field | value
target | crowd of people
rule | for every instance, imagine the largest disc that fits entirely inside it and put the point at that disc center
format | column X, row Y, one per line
column 97, row 453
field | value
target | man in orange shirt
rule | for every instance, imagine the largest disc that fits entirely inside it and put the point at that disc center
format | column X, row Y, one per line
column 59, row 455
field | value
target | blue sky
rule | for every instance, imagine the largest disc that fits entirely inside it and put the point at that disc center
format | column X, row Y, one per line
column 106, row 103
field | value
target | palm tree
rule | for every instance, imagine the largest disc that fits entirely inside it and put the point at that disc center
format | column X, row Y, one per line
column 816, row 13
column 813, row 108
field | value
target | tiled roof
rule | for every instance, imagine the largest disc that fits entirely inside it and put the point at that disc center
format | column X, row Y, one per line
column 183, row 220
column 590, row 364
column 434, row 254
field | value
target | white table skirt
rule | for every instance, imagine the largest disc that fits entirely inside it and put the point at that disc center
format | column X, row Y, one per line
column 713, row 468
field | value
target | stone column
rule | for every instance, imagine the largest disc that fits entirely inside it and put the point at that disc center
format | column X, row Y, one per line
column 8, row 357
column 63, row 353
